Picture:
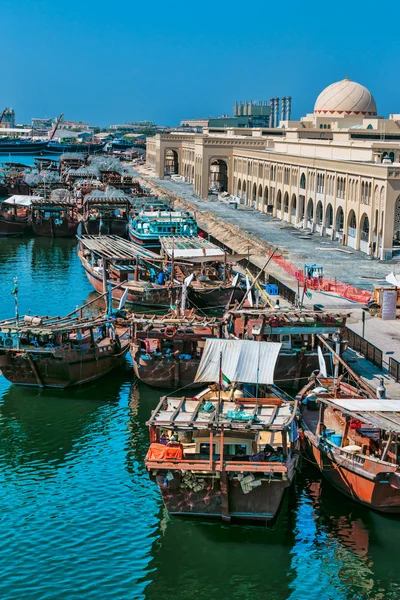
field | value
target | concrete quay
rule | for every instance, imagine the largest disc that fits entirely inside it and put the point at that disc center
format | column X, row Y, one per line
column 246, row 230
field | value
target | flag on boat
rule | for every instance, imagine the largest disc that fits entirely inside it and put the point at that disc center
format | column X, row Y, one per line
column 225, row 381
column 307, row 293
column 248, row 287
column 123, row 299
column 15, row 289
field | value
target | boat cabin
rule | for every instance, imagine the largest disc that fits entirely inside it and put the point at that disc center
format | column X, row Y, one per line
column 147, row 229
column 296, row 331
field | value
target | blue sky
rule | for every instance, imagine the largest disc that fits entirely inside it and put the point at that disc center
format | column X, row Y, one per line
column 108, row 62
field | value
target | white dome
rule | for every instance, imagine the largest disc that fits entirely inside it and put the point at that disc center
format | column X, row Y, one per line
column 344, row 98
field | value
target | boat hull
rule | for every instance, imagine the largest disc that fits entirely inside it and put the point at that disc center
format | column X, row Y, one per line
column 159, row 296
column 19, row 147
column 214, row 298
column 166, row 373
column 14, row 227
column 149, row 243
column 371, row 489
column 106, row 227
column 55, row 148
column 60, row 372
column 47, row 228
column 221, row 498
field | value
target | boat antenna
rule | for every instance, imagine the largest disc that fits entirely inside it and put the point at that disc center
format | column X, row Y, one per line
column 15, row 294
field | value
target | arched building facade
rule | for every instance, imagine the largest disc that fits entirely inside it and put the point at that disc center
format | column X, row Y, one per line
column 343, row 183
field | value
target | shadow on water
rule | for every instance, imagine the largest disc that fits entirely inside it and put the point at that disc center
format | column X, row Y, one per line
column 342, row 550
column 42, row 426
column 222, row 561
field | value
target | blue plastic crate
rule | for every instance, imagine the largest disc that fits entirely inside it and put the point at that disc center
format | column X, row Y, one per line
column 272, row 289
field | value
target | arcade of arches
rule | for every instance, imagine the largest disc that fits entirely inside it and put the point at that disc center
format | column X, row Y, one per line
column 350, row 210
column 354, row 203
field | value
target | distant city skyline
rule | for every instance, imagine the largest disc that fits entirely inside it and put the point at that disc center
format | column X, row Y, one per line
column 107, row 64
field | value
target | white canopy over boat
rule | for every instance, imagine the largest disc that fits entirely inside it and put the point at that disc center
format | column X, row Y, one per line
column 243, row 361
column 20, row 200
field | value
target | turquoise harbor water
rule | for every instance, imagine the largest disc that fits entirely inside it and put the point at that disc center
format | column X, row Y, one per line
column 80, row 519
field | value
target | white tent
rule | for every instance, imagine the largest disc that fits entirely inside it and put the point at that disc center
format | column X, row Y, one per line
column 19, row 200
column 243, row 361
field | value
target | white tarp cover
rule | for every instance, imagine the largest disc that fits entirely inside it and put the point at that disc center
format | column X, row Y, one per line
column 243, row 361
column 194, row 252
column 363, row 405
column 19, row 200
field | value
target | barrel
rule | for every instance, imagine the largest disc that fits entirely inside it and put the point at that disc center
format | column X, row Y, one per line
column 336, row 438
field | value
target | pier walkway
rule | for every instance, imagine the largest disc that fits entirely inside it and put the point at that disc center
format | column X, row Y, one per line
column 247, row 229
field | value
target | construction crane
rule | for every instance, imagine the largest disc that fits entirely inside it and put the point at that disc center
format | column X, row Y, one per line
column 55, row 126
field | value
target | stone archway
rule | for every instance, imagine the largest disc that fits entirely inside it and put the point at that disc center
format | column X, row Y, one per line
column 364, row 233
column 351, row 229
column 218, row 177
column 293, row 209
column 260, row 198
column 171, row 162
column 244, row 191
column 286, row 206
column 239, row 189
column 270, row 207
column 329, row 217
column 254, row 196
column 310, row 214
column 339, row 223
column 279, row 204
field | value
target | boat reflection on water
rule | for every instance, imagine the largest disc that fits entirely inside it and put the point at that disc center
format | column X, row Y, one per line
column 44, row 427
column 221, row 561
column 341, row 549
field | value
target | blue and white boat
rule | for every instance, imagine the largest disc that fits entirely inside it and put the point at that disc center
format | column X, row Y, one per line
column 146, row 228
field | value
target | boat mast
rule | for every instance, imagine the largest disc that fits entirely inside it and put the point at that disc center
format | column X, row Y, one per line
column 220, row 385
column 56, row 126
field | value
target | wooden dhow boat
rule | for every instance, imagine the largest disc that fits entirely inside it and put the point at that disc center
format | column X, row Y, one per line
column 297, row 331
column 166, row 350
column 55, row 352
column 15, row 215
column 353, row 437
column 226, row 453
column 106, row 212
column 132, row 271
column 212, row 281
column 54, row 217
